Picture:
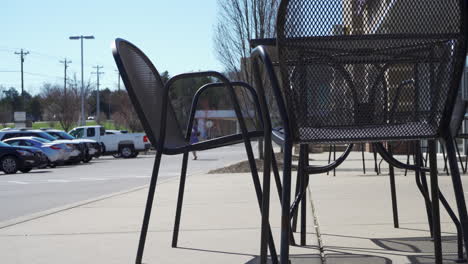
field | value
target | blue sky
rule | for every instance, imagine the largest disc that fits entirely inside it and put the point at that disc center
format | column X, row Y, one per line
column 175, row 34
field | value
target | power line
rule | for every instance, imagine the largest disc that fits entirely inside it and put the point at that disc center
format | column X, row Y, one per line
column 42, row 75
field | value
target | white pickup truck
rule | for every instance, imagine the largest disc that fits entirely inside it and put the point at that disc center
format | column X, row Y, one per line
column 126, row 145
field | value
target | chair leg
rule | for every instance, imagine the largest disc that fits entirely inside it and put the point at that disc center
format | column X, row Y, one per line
column 459, row 156
column 276, row 174
column 435, row 202
column 363, row 159
column 421, row 182
column 445, row 160
column 267, row 235
column 466, row 159
column 393, row 191
column 298, row 187
column 334, row 158
column 149, row 205
column 286, row 200
column 458, row 189
column 180, row 200
column 407, row 157
column 330, row 149
column 376, row 167
column 300, row 196
column 454, row 218
column 305, row 183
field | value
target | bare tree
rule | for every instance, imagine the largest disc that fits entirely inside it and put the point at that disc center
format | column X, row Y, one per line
column 238, row 22
column 125, row 116
column 61, row 105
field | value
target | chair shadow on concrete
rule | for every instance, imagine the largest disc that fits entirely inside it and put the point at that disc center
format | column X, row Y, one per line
column 294, row 259
column 417, row 250
column 416, row 244
column 423, row 245
column 355, row 258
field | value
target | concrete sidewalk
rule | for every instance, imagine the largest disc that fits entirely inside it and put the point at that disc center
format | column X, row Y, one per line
column 221, row 223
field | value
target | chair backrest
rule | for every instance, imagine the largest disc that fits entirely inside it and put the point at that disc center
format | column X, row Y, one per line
column 146, row 91
column 372, row 69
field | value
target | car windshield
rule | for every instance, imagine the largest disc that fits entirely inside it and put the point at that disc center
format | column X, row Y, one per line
column 60, row 135
column 46, row 136
column 43, row 140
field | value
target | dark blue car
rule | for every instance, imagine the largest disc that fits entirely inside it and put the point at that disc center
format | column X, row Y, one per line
column 14, row 158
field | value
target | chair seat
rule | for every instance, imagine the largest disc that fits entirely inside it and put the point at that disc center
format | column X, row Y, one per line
column 331, row 135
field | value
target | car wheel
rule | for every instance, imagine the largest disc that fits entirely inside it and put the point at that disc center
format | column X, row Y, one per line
column 9, row 165
column 26, row 170
column 87, row 159
column 135, row 154
column 126, row 152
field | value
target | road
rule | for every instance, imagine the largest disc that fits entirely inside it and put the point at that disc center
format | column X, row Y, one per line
column 27, row 193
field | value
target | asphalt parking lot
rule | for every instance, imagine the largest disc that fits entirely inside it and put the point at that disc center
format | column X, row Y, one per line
column 42, row 189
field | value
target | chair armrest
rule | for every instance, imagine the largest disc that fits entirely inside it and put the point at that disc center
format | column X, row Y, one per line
column 205, row 87
column 259, row 53
column 223, row 80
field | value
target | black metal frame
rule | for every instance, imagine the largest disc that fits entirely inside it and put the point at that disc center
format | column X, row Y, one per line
column 287, row 139
column 161, row 149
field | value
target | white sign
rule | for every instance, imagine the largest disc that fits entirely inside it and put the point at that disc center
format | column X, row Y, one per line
column 209, row 124
column 20, row 116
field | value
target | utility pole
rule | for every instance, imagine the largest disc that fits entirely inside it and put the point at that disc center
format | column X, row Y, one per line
column 22, row 54
column 118, row 79
column 65, row 64
column 98, row 107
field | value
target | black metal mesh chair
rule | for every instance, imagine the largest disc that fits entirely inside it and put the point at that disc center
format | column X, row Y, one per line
column 366, row 71
column 150, row 98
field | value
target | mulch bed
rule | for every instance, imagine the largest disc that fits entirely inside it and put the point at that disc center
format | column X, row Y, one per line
column 243, row 166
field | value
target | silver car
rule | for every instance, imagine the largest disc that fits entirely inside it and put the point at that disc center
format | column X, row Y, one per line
column 56, row 152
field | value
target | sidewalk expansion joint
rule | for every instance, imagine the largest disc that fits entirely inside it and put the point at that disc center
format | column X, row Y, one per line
column 317, row 228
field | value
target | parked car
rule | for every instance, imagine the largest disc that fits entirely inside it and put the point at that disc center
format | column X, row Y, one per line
column 79, row 149
column 14, row 158
column 92, row 147
column 127, row 145
column 57, row 153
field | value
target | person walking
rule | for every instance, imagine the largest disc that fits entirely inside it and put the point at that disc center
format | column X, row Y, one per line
column 194, row 139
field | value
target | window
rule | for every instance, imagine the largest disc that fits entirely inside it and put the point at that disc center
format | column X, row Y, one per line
column 25, row 143
column 90, row 132
column 78, row 133
column 13, row 143
column 10, row 135
column 102, row 131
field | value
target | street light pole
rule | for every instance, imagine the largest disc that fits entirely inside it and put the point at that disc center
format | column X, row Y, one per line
column 82, row 77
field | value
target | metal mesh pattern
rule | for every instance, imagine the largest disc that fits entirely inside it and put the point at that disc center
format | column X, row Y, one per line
column 146, row 91
column 356, row 70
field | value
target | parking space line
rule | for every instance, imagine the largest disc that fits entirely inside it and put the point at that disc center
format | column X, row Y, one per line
column 18, row 182
column 57, row 180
